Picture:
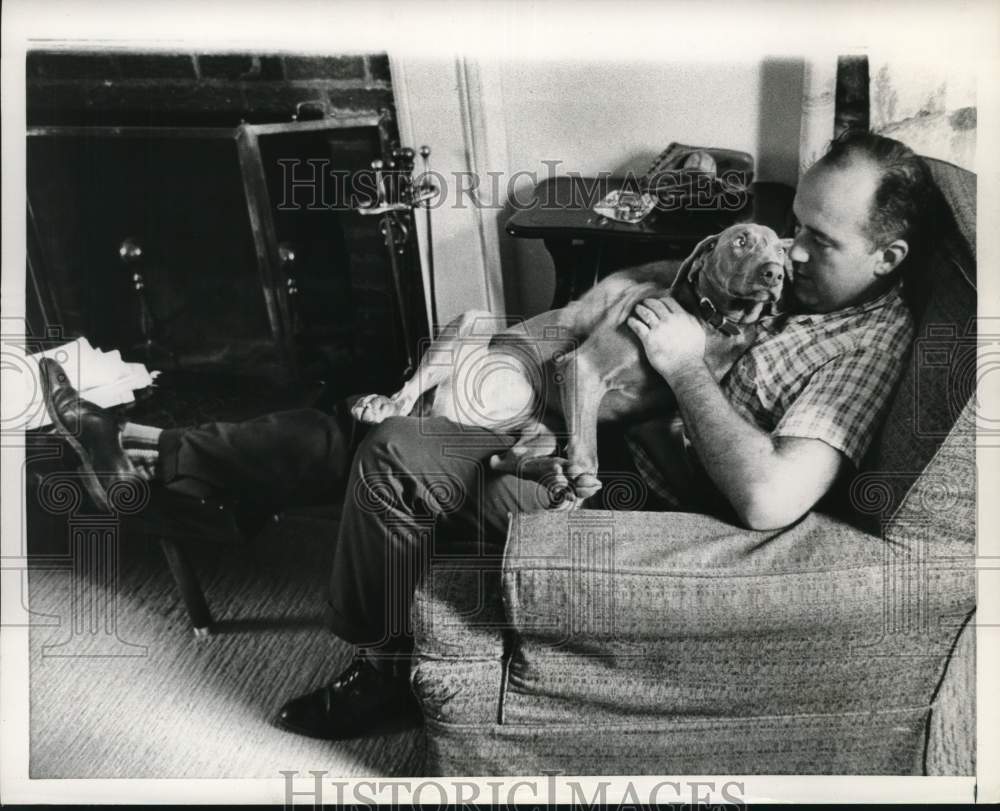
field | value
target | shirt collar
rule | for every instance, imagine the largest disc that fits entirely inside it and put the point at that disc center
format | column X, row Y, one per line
column 887, row 298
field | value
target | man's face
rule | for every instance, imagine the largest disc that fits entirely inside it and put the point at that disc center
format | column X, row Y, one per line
column 833, row 263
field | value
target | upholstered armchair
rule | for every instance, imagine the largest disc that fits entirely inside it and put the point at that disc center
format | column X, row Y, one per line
column 615, row 642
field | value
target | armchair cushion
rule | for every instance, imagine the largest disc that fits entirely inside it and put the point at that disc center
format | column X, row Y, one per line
column 812, row 619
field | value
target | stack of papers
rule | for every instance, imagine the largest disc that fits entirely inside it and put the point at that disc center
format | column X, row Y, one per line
column 101, row 377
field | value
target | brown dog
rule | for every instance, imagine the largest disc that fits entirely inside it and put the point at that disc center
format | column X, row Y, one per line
column 583, row 361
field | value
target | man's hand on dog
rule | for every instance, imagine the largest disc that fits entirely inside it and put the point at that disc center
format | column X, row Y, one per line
column 672, row 338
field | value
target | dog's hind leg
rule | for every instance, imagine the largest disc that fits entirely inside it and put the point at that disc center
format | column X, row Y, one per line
column 533, row 457
column 536, row 440
column 436, row 367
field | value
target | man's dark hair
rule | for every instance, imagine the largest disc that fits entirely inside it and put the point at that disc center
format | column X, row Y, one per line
column 905, row 197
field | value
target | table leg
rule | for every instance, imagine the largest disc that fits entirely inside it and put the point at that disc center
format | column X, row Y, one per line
column 187, row 582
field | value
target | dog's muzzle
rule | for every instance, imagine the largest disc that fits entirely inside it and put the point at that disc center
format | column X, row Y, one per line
column 772, row 277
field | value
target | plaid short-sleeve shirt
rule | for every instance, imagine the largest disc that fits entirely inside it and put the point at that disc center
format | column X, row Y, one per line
column 825, row 376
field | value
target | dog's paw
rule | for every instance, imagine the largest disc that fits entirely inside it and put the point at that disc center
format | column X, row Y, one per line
column 585, row 483
column 566, row 493
column 374, row 408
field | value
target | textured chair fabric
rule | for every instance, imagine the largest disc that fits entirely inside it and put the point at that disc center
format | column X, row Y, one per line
column 951, row 735
column 940, row 376
column 652, row 643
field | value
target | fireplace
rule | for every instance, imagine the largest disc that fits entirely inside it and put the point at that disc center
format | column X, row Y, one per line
column 215, row 231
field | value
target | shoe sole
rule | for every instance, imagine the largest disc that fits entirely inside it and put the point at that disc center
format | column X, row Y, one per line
column 90, row 482
column 402, row 723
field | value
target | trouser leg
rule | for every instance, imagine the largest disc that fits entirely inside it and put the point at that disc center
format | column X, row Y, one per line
column 417, row 489
column 274, row 461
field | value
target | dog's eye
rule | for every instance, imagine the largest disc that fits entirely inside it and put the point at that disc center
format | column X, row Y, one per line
column 741, row 241
column 781, row 250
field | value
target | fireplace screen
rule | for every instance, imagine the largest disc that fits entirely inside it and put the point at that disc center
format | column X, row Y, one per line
column 233, row 249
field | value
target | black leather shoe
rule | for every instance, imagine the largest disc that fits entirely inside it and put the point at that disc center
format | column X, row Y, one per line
column 91, row 432
column 361, row 701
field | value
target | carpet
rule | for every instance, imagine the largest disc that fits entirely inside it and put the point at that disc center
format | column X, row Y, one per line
column 180, row 707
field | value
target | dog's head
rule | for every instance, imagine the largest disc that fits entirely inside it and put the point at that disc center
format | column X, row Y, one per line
column 740, row 270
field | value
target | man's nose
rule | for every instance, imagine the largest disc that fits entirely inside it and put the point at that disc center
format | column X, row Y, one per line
column 797, row 253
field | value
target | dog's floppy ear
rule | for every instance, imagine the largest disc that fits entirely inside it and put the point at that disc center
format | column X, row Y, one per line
column 692, row 264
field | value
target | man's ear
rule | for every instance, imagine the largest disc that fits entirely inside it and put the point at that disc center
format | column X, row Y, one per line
column 891, row 257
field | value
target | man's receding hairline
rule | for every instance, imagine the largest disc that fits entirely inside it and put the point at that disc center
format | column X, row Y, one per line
column 900, row 207
column 849, row 161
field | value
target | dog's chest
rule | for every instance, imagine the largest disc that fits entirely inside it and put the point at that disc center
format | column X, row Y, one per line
column 722, row 350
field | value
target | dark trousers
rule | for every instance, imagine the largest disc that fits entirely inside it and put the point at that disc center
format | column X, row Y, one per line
column 416, row 488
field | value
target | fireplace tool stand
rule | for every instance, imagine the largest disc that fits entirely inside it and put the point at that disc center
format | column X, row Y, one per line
column 130, row 252
column 398, row 198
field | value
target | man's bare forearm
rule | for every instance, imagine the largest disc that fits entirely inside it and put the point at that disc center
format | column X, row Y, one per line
column 736, row 454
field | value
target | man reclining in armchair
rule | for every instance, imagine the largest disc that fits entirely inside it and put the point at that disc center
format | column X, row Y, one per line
column 796, row 413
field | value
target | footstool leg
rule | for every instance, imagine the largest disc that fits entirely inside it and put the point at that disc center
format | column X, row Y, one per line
column 187, row 583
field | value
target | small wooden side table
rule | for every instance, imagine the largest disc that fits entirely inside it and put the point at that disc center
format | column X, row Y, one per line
column 585, row 247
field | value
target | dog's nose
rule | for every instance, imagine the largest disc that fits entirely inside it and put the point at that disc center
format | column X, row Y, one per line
column 772, row 274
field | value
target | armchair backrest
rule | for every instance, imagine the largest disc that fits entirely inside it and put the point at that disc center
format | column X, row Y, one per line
column 933, row 400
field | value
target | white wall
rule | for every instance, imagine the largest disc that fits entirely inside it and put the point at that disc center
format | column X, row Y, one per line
column 509, row 115
column 617, row 116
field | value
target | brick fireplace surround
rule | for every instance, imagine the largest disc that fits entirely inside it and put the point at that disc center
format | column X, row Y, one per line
column 67, row 86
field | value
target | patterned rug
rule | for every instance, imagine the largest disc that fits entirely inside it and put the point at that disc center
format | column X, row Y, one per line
column 165, row 704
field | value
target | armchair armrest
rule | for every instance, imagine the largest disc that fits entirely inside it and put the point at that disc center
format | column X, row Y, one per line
column 698, row 617
column 598, row 578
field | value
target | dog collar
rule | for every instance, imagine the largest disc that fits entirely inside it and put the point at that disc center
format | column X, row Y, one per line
column 717, row 319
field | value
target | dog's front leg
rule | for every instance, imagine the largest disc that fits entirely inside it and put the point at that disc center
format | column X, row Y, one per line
column 582, row 386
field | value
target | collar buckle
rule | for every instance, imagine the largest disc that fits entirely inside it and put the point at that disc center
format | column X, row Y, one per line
column 717, row 319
